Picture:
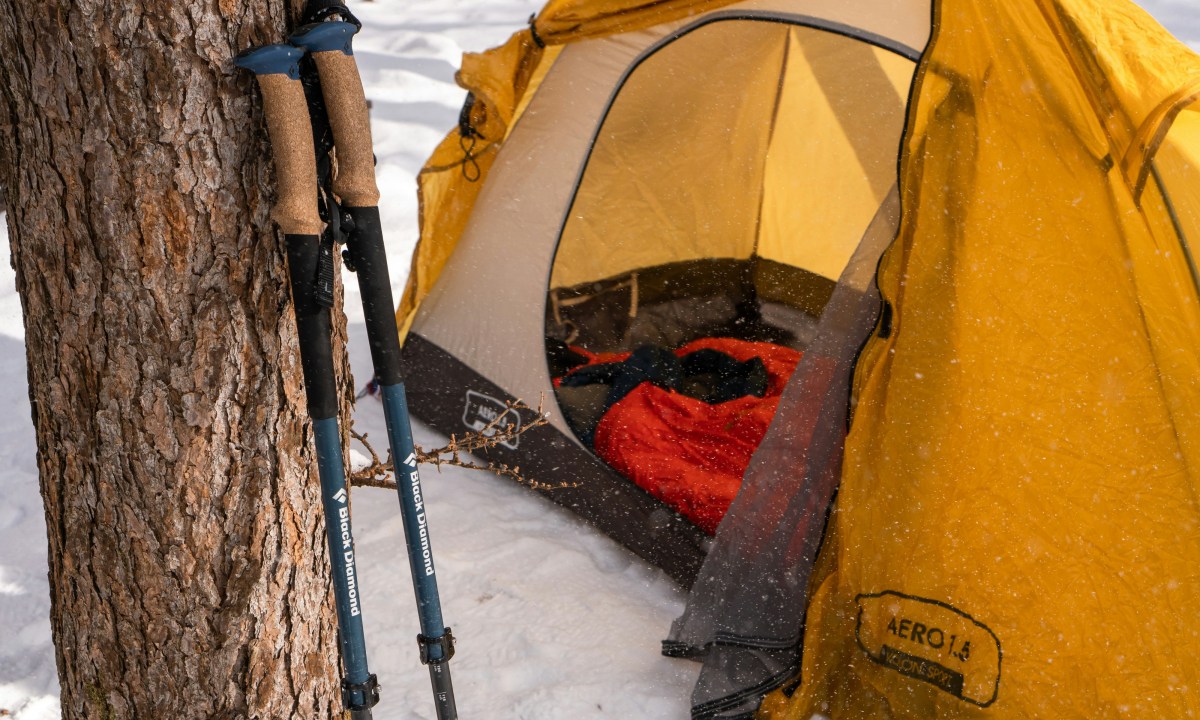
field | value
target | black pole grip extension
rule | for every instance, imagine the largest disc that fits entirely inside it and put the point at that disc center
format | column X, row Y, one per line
column 369, row 259
column 312, row 326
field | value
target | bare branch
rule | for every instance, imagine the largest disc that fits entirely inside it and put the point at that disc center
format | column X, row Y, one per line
column 380, row 474
column 376, row 473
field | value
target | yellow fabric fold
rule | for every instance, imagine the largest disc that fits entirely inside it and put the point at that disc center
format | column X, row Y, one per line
column 1017, row 532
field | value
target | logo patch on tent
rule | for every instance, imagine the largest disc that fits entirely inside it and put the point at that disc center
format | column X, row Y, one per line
column 931, row 641
column 483, row 411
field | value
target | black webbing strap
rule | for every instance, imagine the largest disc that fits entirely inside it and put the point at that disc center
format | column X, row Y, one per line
column 537, row 39
column 322, row 10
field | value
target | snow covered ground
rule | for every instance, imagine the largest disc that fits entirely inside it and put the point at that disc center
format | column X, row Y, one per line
column 553, row 620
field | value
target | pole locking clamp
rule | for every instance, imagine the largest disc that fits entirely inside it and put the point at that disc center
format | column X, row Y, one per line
column 445, row 643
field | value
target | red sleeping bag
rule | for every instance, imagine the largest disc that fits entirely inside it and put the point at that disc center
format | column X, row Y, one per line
column 684, row 451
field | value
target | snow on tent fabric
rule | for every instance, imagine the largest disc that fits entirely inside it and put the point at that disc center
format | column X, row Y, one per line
column 983, row 259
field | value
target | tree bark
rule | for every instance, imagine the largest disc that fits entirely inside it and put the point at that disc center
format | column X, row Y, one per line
column 188, row 561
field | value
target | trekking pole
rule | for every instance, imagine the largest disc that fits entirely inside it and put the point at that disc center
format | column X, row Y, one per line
column 276, row 68
column 345, row 103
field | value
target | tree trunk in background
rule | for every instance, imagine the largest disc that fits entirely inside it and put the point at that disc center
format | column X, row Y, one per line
column 188, row 564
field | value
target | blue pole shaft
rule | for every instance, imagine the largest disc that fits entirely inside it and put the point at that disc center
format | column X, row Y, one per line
column 416, row 529
column 369, row 258
column 420, row 554
column 313, row 327
column 336, row 504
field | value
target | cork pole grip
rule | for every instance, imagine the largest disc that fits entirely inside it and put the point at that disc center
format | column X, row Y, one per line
column 346, row 104
column 291, row 144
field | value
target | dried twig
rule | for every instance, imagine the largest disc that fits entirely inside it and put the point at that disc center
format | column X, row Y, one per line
column 375, row 474
column 380, row 473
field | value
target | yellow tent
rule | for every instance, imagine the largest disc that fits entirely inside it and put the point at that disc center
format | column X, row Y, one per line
column 1016, row 531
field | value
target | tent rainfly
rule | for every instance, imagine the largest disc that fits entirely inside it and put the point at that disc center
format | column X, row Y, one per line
column 934, row 256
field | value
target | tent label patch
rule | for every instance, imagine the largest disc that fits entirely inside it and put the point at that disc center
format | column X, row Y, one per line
column 484, row 410
column 930, row 641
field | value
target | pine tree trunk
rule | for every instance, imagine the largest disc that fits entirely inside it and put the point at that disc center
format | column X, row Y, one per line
column 188, row 565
